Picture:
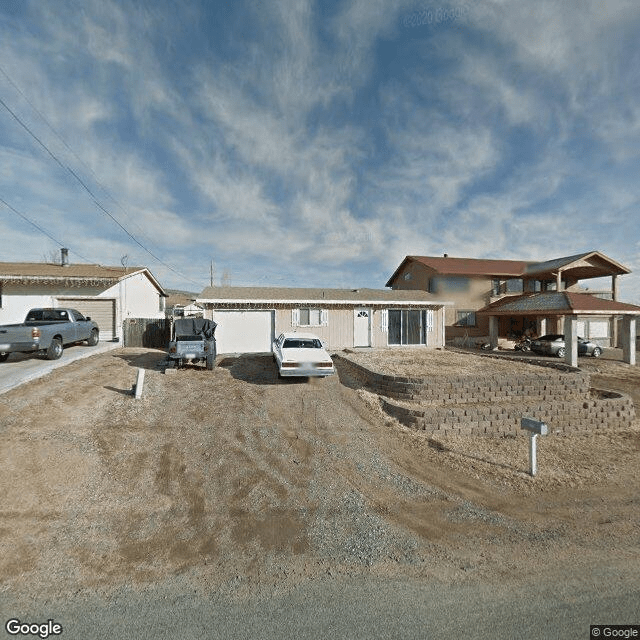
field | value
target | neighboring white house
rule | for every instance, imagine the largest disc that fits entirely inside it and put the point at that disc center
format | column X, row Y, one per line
column 249, row 318
column 108, row 295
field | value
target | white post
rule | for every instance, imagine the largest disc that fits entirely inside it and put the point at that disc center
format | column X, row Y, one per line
column 493, row 331
column 535, row 428
column 570, row 340
column 629, row 339
column 139, row 383
column 533, row 463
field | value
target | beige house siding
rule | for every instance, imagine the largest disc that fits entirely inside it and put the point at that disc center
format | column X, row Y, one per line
column 338, row 333
column 475, row 297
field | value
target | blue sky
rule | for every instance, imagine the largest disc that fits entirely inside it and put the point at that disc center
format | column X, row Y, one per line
column 300, row 143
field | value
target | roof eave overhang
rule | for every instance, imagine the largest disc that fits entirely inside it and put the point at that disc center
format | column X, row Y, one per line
column 326, row 301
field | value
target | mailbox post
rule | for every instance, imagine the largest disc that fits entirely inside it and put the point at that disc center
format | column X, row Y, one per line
column 535, row 429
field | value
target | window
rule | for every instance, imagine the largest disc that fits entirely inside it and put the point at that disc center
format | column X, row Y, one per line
column 161, row 301
column 309, row 317
column 514, row 285
column 465, row 318
column 409, row 326
column 408, row 276
column 445, row 284
column 302, row 343
column 495, row 287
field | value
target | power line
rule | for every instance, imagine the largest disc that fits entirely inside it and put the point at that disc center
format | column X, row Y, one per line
column 92, row 196
column 64, row 142
column 39, row 228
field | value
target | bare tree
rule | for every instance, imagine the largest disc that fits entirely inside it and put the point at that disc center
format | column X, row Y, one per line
column 52, row 257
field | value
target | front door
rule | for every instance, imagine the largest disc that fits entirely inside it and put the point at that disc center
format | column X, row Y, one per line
column 361, row 327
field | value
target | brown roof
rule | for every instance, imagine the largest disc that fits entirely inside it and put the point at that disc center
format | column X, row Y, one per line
column 293, row 294
column 466, row 266
column 37, row 271
column 557, row 303
column 592, row 264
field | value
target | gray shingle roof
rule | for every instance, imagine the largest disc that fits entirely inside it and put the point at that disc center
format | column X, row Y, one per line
column 557, row 303
column 293, row 294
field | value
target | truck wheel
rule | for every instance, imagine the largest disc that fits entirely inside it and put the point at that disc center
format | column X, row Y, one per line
column 94, row 338
column 3, row 356
column 211, row 359
column 55, row 349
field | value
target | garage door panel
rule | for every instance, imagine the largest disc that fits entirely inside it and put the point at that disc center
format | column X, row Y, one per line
column 102, row 312
column 243, row 331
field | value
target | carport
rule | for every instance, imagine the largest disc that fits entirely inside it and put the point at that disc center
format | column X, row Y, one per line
column 565, row 307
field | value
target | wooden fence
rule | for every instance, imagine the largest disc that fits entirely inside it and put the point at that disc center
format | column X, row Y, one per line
column 147, row 332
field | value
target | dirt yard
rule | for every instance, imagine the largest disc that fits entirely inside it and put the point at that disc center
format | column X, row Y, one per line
column 238, row 481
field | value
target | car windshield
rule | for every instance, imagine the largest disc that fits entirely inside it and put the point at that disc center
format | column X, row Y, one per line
column 302, row 343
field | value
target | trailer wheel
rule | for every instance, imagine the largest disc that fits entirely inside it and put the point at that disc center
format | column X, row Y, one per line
column 55, row 349
column 3, row 356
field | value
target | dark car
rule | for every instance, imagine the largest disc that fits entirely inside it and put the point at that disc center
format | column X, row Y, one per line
column 553, row 345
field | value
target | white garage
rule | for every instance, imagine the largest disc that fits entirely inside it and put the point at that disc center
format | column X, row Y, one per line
column 243, row 331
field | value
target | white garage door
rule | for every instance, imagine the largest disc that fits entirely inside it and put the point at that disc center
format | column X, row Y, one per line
column 244, row 331
column 102, row 312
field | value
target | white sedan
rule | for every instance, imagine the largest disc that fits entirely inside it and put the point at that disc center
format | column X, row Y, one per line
column 301, row 354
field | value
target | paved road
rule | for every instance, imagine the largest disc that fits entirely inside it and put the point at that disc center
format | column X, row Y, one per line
column 334, row 609
column 21, row 367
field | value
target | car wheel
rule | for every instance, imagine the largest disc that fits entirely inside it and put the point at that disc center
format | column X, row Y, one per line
column 210, row 362
column 54, row 352
column 597, row 352
column 94, row 338
column 561, row 352
column 3, row 356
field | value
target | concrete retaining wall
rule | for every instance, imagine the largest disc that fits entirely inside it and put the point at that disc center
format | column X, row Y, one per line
column 493, row 405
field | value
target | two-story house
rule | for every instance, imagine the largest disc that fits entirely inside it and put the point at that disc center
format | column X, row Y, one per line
column 471, row 284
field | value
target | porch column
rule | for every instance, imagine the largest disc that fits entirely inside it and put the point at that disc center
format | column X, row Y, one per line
column 559, row 281
column 614, row 287
column 541, row 326
column 493, row 331
column 629, row 339
column 570, row 340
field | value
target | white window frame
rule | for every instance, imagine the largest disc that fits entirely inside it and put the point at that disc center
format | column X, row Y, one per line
column 323, row 317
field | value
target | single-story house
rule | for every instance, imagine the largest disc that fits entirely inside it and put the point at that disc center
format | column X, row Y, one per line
column 249, row 318
column 108, row 295
column 472, row 284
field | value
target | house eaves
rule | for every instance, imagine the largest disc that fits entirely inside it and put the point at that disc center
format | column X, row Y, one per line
column 296, row 296
column 557, row 303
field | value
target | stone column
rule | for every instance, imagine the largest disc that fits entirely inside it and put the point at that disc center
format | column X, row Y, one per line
column 493, row 331
column 570, row 340
column 541, row 327
column 629, row 339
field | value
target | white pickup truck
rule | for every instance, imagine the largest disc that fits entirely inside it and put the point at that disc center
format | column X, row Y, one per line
column 47, row 331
